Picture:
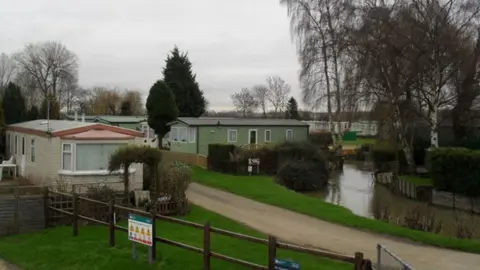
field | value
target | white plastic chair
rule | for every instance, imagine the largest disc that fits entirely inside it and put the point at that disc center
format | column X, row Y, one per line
column 5, row 162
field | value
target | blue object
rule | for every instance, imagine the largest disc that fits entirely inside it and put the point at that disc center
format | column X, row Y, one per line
column 286, row 265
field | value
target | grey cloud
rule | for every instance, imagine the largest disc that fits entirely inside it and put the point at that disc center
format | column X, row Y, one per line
column 232, row 44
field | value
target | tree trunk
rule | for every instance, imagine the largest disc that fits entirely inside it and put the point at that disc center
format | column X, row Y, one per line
column 434, row 127
column 126, row 184
column 327, row 81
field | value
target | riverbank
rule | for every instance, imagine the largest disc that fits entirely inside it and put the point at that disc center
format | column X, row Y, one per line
column 264, row 189
column 56, row 248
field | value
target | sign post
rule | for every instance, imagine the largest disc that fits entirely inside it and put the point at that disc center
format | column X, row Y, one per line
column 140, row 230
column 253, row 162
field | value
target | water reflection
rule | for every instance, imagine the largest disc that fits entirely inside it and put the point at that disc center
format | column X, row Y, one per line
column 354, row 189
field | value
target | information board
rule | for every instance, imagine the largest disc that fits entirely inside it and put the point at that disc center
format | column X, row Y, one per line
column 286, row 265
column 140, row 229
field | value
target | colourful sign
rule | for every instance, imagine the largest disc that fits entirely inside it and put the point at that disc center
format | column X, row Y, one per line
column 140, row 229
column 286, row 265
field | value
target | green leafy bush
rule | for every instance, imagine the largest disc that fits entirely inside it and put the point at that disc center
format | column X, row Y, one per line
column 455, row 170
column 221, row 158
column 302, row 175
column 383, row 154
column 174, row 180
column 321, row 138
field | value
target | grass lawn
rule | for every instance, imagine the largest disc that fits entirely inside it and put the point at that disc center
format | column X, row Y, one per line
column 359, row 141
column 264, row 189
column 56, row 248
column 417, row 180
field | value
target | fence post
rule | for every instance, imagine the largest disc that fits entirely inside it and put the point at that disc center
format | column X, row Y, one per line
column 16, row 213
column 75, row 215
column 206, row 246
column 111, row 224
column 154, row 232
column 379, row 256
column 45, row 206
column 272, row 252
column 358, row 260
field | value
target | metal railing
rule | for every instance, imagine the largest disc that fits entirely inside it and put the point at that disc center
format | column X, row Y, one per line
column 387, row 260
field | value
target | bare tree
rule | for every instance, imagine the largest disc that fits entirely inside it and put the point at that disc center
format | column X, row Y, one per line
column 7, row 70
column 51, row 65
column 261, row 94
column 278, row 93
column 134, row 98
column 105, row 101
column 244, row 101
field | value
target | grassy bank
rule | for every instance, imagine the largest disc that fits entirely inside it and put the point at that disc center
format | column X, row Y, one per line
column 56, row 248
column 417, row 180
column 264, row 189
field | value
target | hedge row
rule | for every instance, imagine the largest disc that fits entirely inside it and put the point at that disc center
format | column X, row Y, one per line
column 298, row 166
column 384, row 153
column 455, row 170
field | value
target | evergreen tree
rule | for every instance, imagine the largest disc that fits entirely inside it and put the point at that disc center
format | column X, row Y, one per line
column 161, row 109
column 292, row 109
column 33, row 113
column 13, row 104
column 178, row 75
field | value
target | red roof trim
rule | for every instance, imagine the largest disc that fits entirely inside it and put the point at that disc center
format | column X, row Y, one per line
column 123, row 131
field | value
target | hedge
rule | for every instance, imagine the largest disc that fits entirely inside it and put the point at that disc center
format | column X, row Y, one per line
column 384, row 153
column 321, row 138
column 228, row 158
column 455, row 170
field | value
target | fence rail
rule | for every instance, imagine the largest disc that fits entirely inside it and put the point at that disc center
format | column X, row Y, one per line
column 387, row 260
column 358, row 261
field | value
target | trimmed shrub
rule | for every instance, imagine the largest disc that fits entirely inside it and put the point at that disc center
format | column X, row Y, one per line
column 383, row 154
column 221, row 158
column 302, row 175
column 268, row 160
column 455, row 170
column 175, row 179
column 321, row 138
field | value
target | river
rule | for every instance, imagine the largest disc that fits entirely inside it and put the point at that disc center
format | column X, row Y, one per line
column 354, row 188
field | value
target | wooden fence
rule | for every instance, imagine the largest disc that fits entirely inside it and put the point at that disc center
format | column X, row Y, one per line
column 358, row 262
column 191, row 159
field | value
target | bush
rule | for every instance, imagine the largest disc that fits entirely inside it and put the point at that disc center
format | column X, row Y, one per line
column 455, row 170
column 300, row 151
column 221, row 158
column 174, row 180
column 321, row 138
column 302, row 175
column 362, row 151
column 268, row 160
column 383, row 153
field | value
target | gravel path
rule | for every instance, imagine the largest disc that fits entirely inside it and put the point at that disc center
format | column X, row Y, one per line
column 308, row 231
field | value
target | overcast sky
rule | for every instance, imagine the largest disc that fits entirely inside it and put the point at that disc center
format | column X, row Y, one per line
column 231, row 43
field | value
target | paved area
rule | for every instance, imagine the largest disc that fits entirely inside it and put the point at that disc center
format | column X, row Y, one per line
column 6, row 266
column 304, row 230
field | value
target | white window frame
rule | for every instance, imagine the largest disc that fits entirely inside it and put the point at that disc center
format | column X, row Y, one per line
column 23, row 146
column 286, row 135
column 16, row 144
column 172, row 131
column 228, row 136
column 71, row 152
column 269, row 135
column 8, row 142
column 180, row 129
column 250, row 133
column 192, row 134
column 33, row 151
column 73, row 171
